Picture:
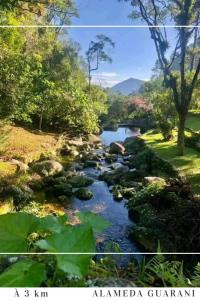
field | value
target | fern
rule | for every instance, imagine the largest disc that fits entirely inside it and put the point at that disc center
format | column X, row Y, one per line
column 195, row 281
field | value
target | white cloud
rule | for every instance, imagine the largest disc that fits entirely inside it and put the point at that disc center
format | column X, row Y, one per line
column 105, row 74
column 106, row 79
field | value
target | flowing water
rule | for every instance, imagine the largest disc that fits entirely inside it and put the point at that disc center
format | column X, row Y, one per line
column 103, row 203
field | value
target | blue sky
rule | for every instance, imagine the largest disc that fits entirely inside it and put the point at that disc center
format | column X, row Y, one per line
column 134, row 54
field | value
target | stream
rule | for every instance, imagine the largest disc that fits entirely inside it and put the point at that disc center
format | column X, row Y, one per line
column 103, row 203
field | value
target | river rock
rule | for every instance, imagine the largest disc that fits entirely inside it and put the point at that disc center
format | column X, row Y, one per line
column 47, row 167
column 20, row 195
column 154, row 179
column 60, row 180
column 114, row 176
column 83, row 194
column 21, row 167
column 117, row 193
column 116, row 148
column 80, row 181
column 63, row 189
column 110, row 158
column 91, row 164
column 116, row 166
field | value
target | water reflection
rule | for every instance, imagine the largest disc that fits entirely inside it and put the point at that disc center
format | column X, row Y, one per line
column 120, row 134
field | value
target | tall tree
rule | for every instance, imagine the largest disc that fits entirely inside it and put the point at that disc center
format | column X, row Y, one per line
column 96, row 53
column 184, row 14
column 54, row 12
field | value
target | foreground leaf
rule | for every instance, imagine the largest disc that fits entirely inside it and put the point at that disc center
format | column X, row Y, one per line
column 23, row 274
column 53, row 224
column 75, row 239
column 14, row 230
column 97, row 223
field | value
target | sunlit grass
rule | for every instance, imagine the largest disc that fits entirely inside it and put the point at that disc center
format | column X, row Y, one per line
column 188, row 165
column 193, row 121
column 22, row 144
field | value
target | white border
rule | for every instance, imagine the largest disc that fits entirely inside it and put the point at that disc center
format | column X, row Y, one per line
column 100, row 26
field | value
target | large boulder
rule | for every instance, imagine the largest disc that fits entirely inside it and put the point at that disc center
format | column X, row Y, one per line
column 114, row 176
column 117, row 148
column 47, row 167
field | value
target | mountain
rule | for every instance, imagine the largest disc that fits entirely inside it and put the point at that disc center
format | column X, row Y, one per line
column 128, row 86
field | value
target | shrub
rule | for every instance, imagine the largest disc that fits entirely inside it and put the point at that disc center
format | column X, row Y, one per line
column 166, row 128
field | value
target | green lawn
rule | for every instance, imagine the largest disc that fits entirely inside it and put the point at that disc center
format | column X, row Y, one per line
column 193, row 121
column 188, row 165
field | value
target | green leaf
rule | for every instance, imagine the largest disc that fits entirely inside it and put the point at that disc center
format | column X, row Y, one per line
column 53, row 224
column 14, row 230
column 23, row 274
column 75, row 239
column 97, row 223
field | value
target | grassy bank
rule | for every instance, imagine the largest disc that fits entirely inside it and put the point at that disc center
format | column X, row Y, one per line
column 193, row 121
column 19, row 143
column 188, row 165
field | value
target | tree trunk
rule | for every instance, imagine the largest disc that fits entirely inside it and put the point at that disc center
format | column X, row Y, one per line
column 40, row 121
column 181, row 134
column 89, row 81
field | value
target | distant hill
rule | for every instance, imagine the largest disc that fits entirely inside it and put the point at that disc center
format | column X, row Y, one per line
column 128, row 86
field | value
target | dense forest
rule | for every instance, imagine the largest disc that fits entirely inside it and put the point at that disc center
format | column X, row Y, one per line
column 85, row 170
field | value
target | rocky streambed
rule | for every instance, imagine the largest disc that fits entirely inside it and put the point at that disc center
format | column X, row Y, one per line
column 72, row 181
column 125, row 182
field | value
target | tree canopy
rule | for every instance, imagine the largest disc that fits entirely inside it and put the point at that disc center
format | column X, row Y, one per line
column 42, row 81
column 185, row 15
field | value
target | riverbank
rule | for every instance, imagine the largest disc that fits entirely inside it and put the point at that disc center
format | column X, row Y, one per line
column 188, row 165
column 137, row 193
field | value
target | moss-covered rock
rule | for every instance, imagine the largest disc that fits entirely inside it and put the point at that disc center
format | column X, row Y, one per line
column 62, row 189
column 83, row 194
column 116, row 148
column 80, row 181
column 47, row 167
column 21, row 196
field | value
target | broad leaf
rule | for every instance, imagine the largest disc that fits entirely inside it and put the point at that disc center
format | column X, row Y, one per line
column 53, row 224
column 23, row 274
column 97, row 223
column 75, row 239
column 14, row 230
